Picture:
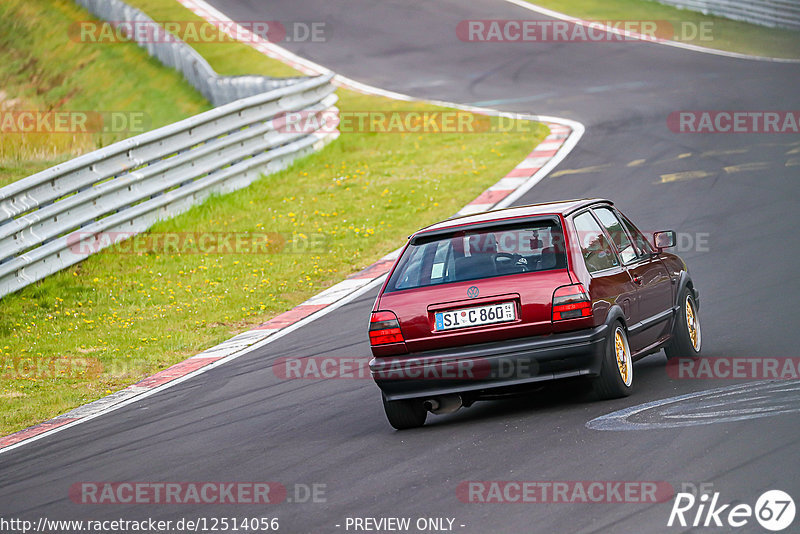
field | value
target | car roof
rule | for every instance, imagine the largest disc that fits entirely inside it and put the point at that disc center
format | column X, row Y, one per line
column 562, row 207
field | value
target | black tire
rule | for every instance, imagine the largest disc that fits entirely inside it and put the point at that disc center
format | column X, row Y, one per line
column 611, row 384
column 404, row 414
column 687, row 341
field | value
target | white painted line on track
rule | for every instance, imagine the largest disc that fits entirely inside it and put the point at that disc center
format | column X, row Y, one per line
column 644, row 38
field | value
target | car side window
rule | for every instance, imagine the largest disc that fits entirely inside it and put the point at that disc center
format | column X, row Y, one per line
column 641, row 242
column 597, row 251
column 613, row 226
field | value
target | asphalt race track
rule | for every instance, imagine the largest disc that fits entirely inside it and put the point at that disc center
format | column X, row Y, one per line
column 241, row 422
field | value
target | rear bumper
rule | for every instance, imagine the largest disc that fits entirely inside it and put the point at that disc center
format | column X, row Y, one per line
column 491, row 365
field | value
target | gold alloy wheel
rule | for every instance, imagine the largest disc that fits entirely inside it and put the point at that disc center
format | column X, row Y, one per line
column 692, row 323
column 623, row 356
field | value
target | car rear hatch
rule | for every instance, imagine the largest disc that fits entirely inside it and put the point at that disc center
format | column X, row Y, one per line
column 477, row 285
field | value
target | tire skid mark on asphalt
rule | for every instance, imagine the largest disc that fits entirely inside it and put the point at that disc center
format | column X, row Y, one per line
column 564, row 135
column 751, row 400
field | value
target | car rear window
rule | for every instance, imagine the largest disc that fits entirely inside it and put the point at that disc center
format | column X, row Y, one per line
column 480, row 253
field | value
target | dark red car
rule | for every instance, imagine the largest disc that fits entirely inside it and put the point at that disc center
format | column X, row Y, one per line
column 493, row 303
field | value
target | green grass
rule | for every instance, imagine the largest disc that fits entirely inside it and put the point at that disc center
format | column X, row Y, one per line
column 725, row 34
column 44, row 69
column 226, row 58
column 131, row 315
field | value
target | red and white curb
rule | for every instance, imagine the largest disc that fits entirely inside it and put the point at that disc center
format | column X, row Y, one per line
column 564, row 135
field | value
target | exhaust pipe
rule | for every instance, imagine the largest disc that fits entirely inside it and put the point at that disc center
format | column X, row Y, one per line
column 443, row 405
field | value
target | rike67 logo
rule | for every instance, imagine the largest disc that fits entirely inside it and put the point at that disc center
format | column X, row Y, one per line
column 774, row 510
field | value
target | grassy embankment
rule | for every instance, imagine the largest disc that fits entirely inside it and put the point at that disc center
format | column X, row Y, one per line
column 130, row 315
column 43, row 69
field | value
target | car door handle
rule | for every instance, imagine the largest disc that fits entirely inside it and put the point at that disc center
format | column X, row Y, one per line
column 637, row 280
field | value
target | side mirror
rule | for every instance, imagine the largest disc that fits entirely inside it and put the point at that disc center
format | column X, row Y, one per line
column 665, row 239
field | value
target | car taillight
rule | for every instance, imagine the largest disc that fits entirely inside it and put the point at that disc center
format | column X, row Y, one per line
column 571, row 302
column 384, row 328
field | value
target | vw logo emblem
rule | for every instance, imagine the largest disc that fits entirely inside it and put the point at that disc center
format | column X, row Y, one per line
column 473, row 292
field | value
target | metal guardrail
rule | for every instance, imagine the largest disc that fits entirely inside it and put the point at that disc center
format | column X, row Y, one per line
column 178, row 55
column 773, row 13
column 128, row 186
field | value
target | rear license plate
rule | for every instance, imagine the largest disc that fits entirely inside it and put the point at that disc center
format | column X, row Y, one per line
column 494, row 313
